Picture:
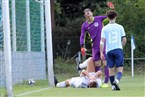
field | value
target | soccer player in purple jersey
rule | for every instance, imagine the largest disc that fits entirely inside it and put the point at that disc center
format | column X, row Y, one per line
column 93, row 25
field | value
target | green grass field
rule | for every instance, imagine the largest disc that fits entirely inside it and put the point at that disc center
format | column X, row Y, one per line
column 130, row 87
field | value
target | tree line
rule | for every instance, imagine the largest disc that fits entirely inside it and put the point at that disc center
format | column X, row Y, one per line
column 69, row 17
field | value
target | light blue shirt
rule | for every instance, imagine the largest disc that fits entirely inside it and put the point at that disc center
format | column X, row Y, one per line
column 113, row 34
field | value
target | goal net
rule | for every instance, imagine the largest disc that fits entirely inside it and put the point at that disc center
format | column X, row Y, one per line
column 27, row 42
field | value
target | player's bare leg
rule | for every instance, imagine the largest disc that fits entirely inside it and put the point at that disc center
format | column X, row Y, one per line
column 63, row 84
column 85, row 63
column 90, row 66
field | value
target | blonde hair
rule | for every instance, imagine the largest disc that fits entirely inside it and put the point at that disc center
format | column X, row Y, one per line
column 87, row 9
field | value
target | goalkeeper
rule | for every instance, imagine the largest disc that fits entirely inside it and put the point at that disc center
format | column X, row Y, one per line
column 93, row 25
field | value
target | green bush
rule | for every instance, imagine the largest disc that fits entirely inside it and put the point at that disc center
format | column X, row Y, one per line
column 62, row 66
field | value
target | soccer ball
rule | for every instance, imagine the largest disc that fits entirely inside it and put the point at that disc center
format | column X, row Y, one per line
column 31, row 82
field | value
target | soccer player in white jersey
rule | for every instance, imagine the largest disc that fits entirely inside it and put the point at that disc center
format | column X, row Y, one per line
column 115, row 38
column 88, row 78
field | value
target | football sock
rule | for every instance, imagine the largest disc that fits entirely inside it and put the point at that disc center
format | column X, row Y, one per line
column 98, row 68
column 119, row 75
column 84, row 64
column 62, row 84
column 112, row 78
column 106, row 71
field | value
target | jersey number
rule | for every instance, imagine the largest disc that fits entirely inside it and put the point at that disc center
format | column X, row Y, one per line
column 113, row 37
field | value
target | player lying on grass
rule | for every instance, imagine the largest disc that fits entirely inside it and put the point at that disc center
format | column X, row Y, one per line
column 88, row 78
column 90, row 61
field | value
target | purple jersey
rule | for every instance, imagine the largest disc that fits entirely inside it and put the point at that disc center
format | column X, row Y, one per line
column 94, row 29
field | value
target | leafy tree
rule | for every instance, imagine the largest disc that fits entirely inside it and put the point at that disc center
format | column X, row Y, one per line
column 130, row 15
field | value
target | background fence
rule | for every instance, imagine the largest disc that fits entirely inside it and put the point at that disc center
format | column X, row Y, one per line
column 28, row 44
column 27, row 40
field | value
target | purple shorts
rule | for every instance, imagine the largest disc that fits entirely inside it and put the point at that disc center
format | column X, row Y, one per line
column 96, row 54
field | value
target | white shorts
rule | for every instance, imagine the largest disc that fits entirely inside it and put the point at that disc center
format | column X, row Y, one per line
column 79, row 82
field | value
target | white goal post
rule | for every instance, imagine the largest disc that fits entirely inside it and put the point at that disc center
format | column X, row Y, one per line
column 49, row 42
column 24, row 52
column 7, row 47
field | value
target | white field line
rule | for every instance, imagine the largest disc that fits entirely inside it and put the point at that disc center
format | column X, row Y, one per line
column 26, row 93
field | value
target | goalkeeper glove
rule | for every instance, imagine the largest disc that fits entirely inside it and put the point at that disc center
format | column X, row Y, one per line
column 83, row 51
column 110, row 5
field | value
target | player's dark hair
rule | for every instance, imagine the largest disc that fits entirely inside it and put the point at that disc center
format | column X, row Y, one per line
column 93, row 85
column 111, row 14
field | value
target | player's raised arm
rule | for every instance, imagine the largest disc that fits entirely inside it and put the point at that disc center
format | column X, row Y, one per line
column 98, row 74
column 84, row 73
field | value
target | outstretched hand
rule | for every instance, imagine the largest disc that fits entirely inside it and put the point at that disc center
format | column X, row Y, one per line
column 110, row 5
column 83, row 51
